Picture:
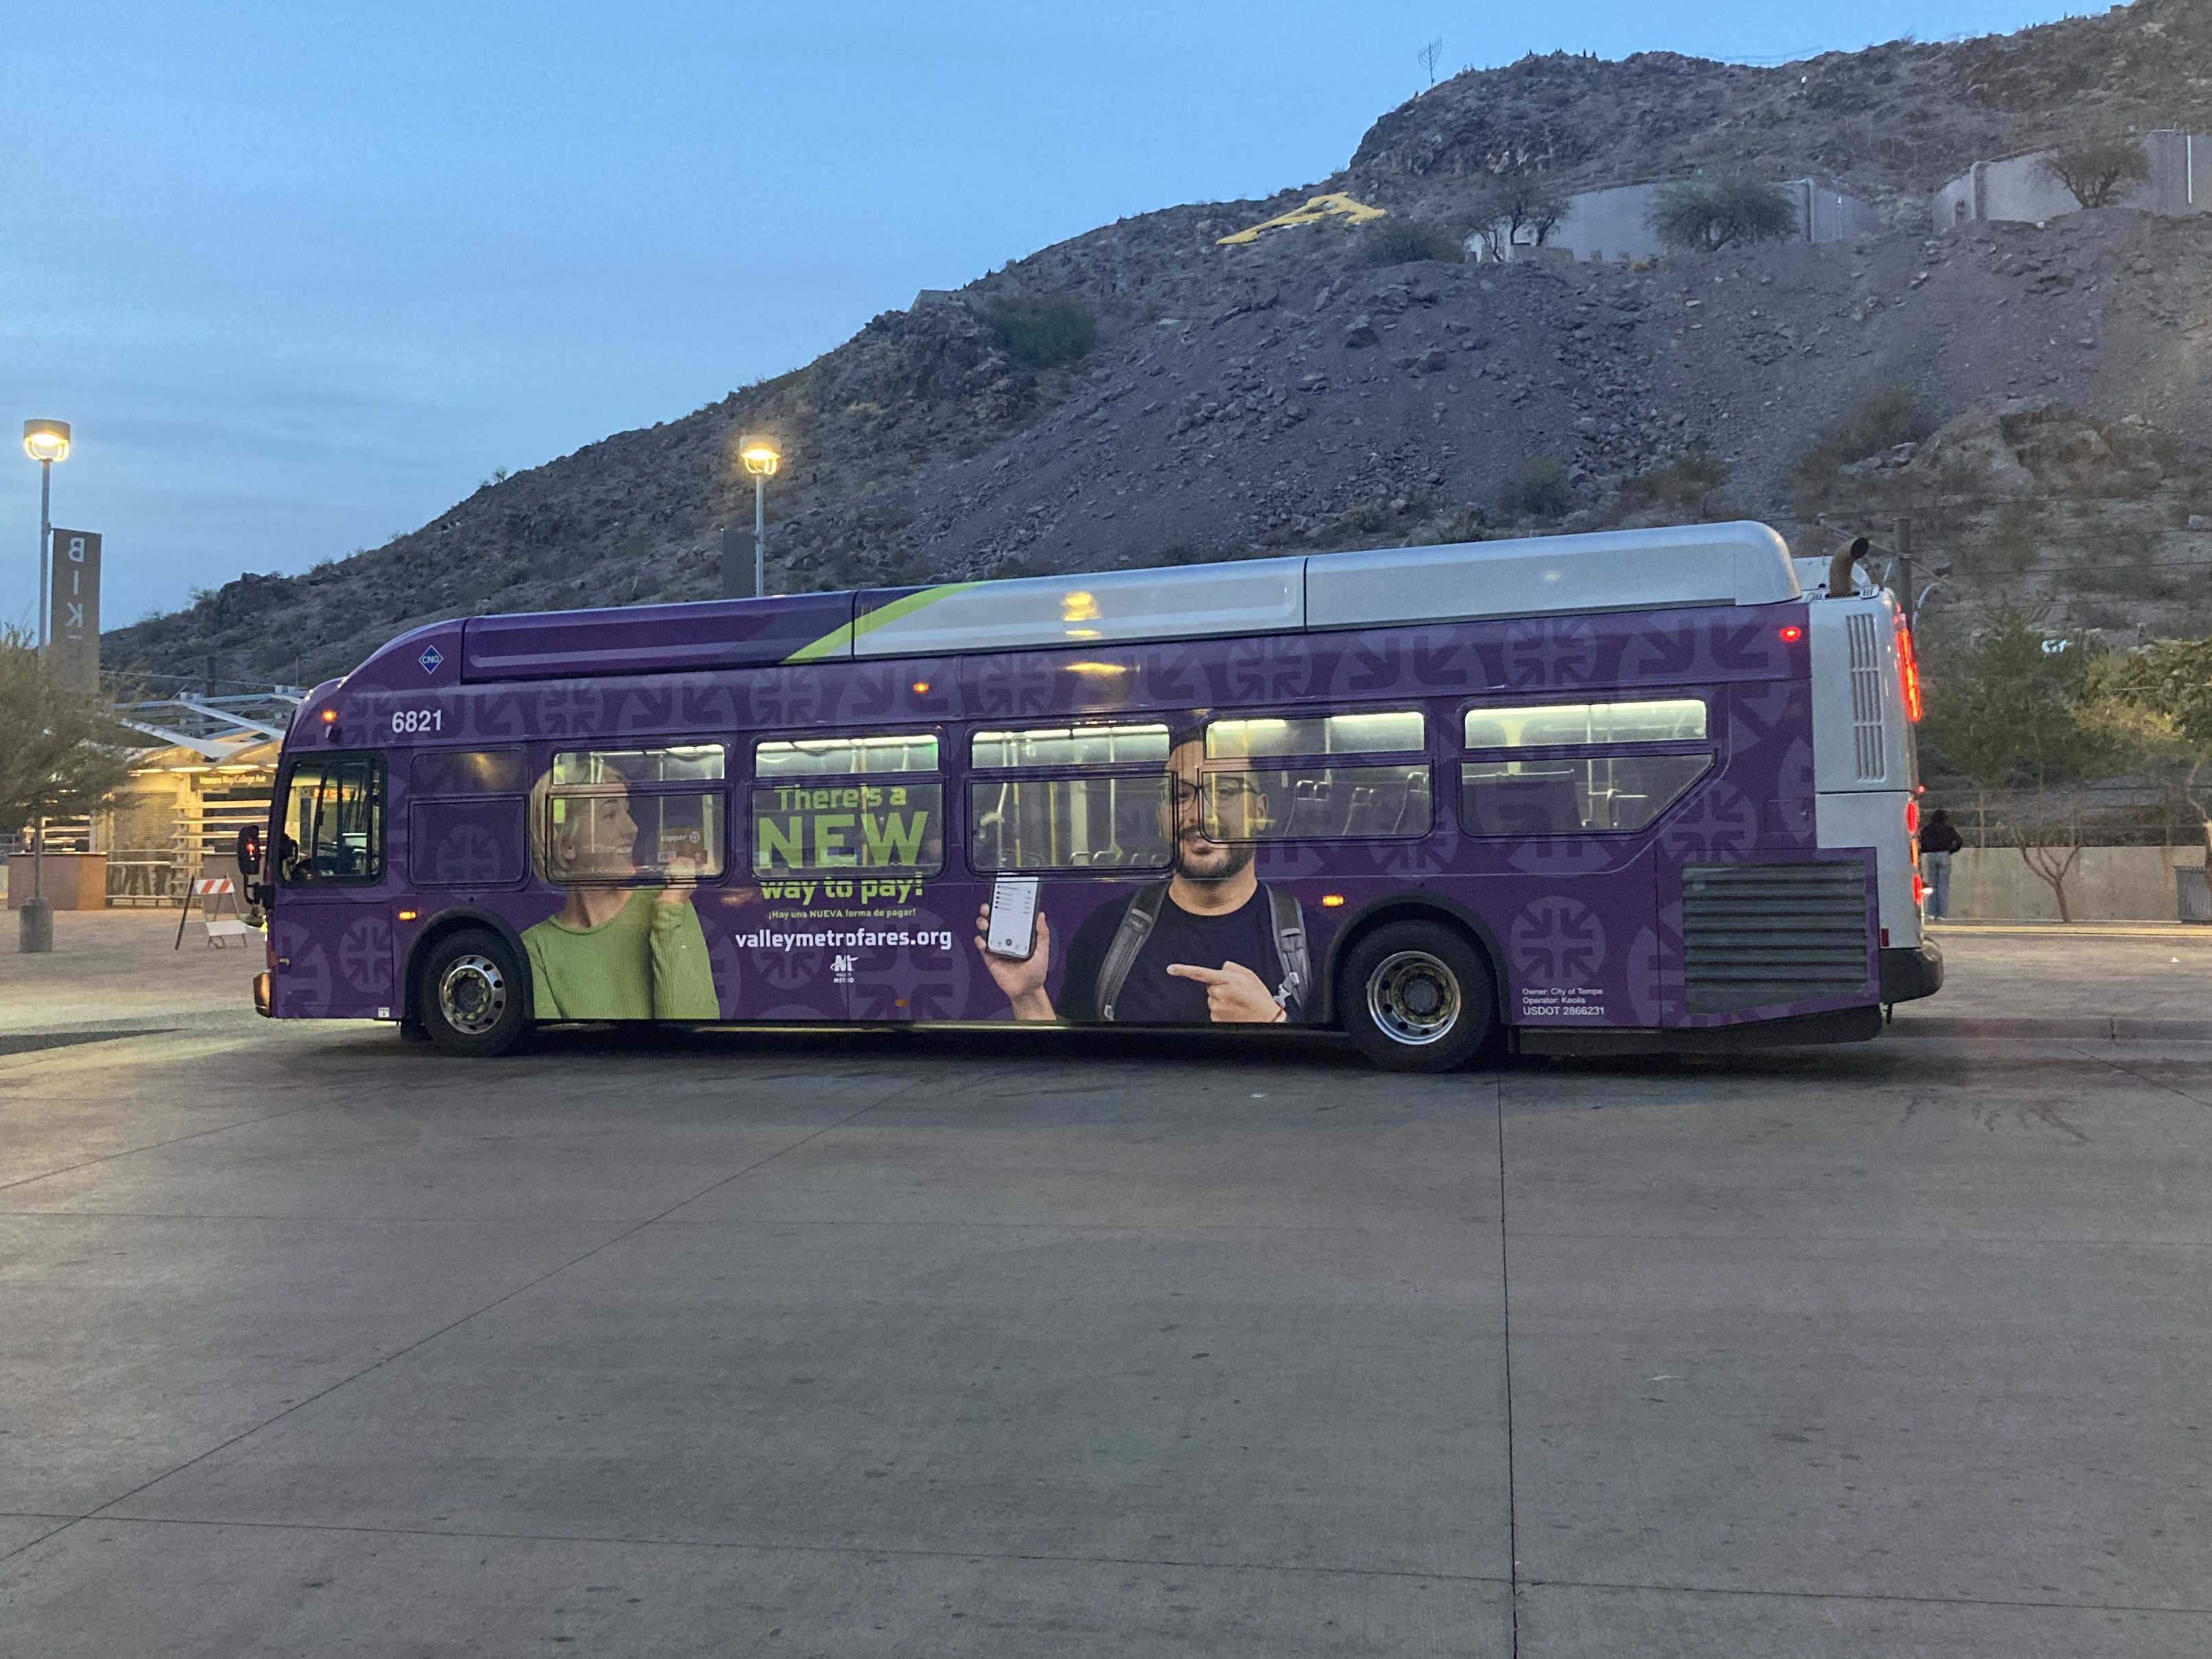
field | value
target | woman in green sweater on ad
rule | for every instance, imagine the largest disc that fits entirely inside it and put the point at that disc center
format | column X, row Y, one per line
column 612, row 951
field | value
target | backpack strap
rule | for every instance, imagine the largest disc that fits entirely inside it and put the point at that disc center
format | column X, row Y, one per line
column 1128, row 939
column 1290, row 924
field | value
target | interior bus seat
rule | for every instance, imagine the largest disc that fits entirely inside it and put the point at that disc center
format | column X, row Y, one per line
column 1359, row 814
column 1341, row 822
column 1527, row 804
column 1414, row 814
column 1308, row 807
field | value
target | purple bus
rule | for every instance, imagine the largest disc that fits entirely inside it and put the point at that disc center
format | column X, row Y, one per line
column 1648, row 789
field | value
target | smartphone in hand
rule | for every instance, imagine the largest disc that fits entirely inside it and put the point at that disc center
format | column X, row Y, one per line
column 1012, row 932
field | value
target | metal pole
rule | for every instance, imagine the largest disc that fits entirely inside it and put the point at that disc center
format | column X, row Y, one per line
column 760, row 535
column 45, row 535
column 35, row 926
column 1904, row 568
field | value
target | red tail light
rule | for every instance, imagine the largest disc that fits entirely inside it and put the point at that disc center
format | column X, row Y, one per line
column 1908, row 670
column 1912, row 816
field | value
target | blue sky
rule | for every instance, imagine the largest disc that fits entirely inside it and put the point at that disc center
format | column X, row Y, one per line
column 301, row 276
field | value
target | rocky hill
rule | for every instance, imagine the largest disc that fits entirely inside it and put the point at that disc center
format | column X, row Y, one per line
column 1316, row 389
column 1891, row 123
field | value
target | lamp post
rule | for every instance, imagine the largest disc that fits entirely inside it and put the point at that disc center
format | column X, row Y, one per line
column 761, row 460
column 44, row 442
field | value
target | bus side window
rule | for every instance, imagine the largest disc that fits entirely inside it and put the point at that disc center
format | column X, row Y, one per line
column 333, row 829
column 870, row 803
column 1361, row 776
column 618, row 816
column 1579, row 768
column 1069, row 798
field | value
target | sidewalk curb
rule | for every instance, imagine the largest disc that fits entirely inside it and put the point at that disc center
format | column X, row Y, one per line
column 2106, row 1027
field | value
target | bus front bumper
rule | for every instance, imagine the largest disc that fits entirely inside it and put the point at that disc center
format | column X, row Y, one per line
column 1911, row 972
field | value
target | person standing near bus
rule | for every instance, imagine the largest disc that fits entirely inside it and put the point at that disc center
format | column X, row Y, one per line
column 1939, row 839
column 612, row 951
column 1211, row 943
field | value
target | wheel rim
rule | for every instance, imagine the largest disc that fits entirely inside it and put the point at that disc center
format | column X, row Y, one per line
column 472, row 994
column 1413, row 998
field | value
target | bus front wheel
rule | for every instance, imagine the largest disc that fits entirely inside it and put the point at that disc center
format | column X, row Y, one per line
column 1416, row 996
column 473, row 999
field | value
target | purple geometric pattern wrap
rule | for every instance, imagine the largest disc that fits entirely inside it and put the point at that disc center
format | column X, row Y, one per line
column 1586, row 929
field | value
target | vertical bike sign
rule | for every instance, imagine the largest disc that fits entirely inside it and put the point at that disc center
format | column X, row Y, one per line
column 73, row 629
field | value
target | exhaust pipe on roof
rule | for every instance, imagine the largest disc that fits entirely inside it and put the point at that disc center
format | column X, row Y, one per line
column 1839, row 568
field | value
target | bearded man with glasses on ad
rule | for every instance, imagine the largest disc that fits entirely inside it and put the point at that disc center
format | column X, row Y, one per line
column 1210, row 945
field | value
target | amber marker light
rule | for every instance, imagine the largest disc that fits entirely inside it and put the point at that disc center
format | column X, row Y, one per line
column 330, row 717
column 921, row 688
column 407, row 915
column 1332, row 901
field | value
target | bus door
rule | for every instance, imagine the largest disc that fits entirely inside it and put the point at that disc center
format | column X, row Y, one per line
column 331, row 932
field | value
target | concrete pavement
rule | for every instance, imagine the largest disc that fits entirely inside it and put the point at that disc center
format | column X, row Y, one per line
column 1041, row 1344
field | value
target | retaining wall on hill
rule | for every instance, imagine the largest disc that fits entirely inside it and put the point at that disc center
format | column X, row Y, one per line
column 2017, row 188
column 2108, row 883
column 1612, row 224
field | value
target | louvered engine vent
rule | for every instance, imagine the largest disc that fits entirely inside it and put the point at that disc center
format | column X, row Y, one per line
column 1756, row 934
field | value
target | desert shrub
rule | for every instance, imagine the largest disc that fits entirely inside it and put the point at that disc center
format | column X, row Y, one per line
column 1880, row 418
column 1041, row 333
column 2099, row 168
column 1538, row 491
column 1364, row 518
column 1722, row 209
column 1689, row 485
column 1397, row 241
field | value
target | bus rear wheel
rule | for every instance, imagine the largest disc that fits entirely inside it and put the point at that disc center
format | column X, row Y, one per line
column 473, row 998
column 1416, row 996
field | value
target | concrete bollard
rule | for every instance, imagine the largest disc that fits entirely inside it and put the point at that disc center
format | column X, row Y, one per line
column 35, row 927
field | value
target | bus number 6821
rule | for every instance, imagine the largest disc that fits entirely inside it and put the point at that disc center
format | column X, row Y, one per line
column 418, row 719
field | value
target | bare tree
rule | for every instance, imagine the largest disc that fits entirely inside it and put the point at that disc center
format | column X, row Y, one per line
column 1517, row 199
column 2100, row 168
column 2051, row 843
column 1428, row 56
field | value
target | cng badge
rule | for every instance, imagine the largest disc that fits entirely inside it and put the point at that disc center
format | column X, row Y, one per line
column 430, row 659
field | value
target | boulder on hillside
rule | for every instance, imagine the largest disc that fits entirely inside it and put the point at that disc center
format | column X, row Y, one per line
column 2023, row 448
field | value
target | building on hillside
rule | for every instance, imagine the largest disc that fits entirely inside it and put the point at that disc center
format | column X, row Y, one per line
column 2017, row 188
column 1614, row 223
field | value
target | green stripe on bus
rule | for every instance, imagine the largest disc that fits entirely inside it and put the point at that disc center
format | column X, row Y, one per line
column 838, row 638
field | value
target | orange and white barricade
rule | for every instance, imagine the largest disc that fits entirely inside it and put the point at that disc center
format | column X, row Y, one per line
column 211, row 894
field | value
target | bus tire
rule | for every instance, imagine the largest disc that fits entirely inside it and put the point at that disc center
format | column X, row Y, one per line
column 474, row 996
column 1416, row 996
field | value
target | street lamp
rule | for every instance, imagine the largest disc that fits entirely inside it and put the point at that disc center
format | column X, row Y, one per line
column 761, row 459
column 44, row 442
